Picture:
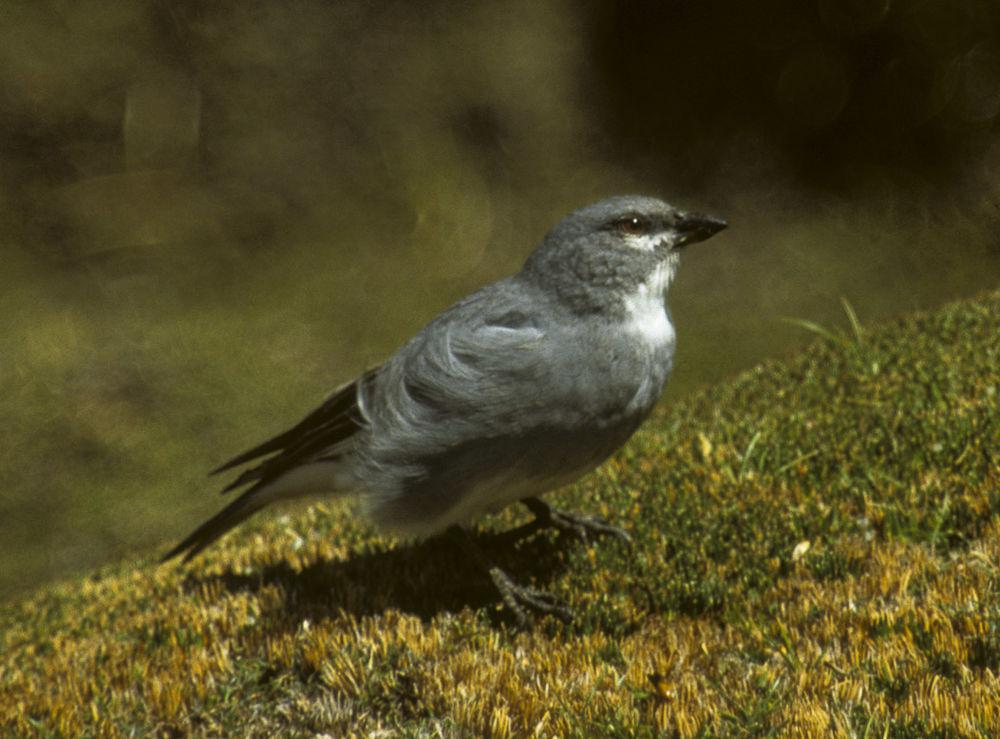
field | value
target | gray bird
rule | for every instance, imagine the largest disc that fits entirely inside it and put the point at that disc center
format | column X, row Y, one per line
column 519, row 388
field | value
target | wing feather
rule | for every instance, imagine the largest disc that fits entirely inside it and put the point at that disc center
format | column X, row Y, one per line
column 335, row 421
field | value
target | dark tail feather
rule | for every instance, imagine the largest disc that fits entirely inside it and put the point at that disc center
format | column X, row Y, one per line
column 233, row 514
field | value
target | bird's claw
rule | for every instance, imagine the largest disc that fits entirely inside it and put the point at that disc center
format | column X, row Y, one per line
column 586, row 526
column 519, row 599
column 579, row 525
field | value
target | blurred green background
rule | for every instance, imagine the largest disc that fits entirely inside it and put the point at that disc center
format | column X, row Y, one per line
column 211, row 213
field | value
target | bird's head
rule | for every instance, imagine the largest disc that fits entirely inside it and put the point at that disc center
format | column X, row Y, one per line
column 616, row 245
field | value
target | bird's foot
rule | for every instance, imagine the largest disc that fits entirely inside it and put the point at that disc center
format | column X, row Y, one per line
column 521, row 599
column 575, row 523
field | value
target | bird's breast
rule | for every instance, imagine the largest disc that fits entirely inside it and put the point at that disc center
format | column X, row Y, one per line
column 645, row 315
column 646, row 319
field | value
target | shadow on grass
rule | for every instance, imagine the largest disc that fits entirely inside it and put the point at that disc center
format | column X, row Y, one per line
column 424, row 579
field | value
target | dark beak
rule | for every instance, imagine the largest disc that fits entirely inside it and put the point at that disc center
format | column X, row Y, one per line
column 694, row 227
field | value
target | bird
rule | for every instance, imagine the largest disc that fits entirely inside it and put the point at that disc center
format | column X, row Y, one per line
column 520, row 388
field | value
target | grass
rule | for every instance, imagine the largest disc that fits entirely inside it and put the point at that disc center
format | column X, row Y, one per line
column 817, row 551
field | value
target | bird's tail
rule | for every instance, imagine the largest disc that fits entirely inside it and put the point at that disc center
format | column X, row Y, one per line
column 327, row 476
column 230, row 516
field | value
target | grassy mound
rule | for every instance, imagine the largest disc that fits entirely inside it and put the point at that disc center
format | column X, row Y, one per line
column 817, row 549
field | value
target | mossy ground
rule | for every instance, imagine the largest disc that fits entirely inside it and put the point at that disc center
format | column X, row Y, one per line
column 816, row 551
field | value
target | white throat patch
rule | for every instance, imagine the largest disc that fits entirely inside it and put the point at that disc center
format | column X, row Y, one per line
column 646, row 308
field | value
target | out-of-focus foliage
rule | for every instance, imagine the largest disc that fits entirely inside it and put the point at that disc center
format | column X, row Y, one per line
column 844, row 95
column 212, row 212
column 816, row 552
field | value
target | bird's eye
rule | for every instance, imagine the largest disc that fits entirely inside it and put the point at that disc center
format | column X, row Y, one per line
column 633, row 225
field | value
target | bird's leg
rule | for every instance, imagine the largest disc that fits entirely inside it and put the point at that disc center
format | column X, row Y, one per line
column 582, row 526
column 519, row 599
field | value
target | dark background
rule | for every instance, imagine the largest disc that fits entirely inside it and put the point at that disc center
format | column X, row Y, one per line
column 211, row 213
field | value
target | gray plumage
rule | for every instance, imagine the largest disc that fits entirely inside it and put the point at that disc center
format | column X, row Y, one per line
column 517, row 389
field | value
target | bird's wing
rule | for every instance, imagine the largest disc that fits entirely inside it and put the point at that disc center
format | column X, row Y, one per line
column 335, row 421
column 484, row 367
